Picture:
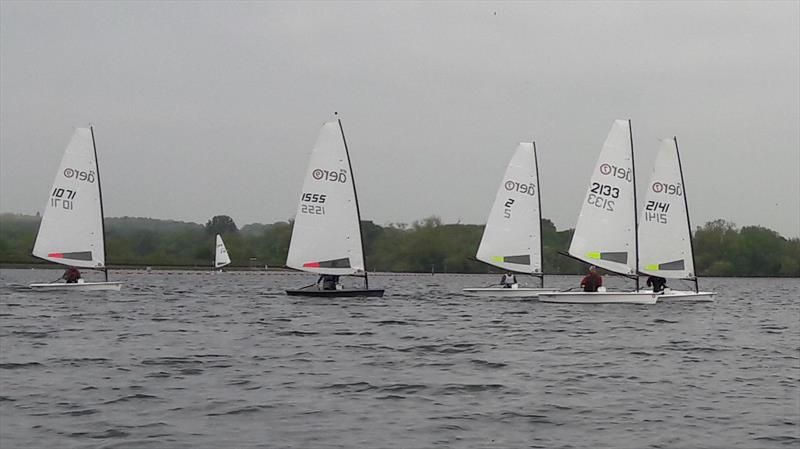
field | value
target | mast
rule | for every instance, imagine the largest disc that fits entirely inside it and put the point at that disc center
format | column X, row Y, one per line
column 539, row 197
column 102, row 215
column 355, row 195
column 686, row 206
column 635, row 214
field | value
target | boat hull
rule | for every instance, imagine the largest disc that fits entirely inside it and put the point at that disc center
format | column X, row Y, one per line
column 498, row 292
column 78, row 286
column 600, row 297
column 678, row 295
column 344, row 293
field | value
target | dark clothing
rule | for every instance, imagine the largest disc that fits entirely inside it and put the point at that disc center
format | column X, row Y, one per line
column 591, row 282
column 508, row 280
column 71, row 275
column 658, row 283
column 329, row 281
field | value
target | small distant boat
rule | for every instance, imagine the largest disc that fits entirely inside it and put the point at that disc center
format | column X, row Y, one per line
column 512, row 238
column 221, row 257
column 605, row 235
column 326, row 238
column 665, row 233
column 72, row 230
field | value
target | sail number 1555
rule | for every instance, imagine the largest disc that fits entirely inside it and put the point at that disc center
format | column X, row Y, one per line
column 314, row 197
column 313, row 209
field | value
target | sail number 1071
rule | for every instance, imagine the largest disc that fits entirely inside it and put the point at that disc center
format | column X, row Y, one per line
column 62, row 198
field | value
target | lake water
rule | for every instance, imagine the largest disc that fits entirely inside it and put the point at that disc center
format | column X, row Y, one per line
column 201, row 360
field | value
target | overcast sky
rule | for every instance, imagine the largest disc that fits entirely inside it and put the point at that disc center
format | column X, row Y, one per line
column 212, row 108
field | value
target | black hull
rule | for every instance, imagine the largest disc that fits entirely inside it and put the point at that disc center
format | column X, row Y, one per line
column 377, row 293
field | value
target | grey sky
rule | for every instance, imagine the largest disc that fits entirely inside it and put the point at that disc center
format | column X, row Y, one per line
column 212, row 108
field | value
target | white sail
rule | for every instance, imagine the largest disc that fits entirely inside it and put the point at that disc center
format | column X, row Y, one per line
column 606, row 233
column 665, row 246
column 511, row 239
column 71, row 231
column 326, row 237
column 221, row 257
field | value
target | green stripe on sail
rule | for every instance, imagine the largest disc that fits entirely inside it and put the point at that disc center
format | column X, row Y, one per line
column 611, row 256
column 518, row 260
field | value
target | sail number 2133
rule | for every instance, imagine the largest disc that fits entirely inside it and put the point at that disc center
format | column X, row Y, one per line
column 600, row 196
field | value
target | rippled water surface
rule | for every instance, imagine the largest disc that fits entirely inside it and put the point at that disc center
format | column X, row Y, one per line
column 189, row 360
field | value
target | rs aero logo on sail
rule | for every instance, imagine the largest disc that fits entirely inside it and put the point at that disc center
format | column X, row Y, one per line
column 329, row 175
column 616, row 172
column 669, row 189
column 514, row 186
column 87, row 176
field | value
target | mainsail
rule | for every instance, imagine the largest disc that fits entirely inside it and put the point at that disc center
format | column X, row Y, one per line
column 326, row 237
column 511, row 239
column 665, row 242
column 606, row 231
column 71, row 231
column 221, row 257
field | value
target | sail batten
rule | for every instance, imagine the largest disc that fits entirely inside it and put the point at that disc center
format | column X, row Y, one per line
column 326, row 237
column 71, row 230
column 605, row 234
column 511, row 239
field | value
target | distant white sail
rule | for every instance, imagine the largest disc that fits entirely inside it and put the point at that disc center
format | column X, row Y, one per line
column 511, row 239
column 71, row 231
column 665, row 246
column 221, row 257
column 326, row 237
column 606, row 233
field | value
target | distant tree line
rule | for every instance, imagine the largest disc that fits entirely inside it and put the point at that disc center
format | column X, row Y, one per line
column 721, row 249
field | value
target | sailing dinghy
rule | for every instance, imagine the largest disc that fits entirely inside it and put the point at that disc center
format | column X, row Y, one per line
column 665, row 232
column 512, row 238
column 326, row 238
column 221, row 257
column 605, row 235
column 72, row 231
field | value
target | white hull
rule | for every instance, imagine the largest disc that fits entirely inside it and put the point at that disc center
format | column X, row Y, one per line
column 499, row 292
column 600, row 297
column 82, row 286
column 678, row 295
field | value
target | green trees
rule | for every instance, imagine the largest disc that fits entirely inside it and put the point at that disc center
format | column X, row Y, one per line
column 17, row 234
column 721, row 249
column 221, row 224
column 424, row 246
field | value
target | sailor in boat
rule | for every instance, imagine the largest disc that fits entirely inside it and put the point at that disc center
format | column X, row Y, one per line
column 657, row 282
column 508, row 280
column 329, row 281
column 592, row 281
column 71, row 275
